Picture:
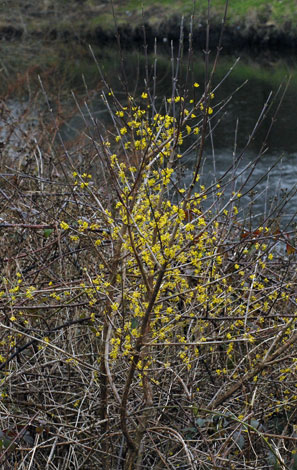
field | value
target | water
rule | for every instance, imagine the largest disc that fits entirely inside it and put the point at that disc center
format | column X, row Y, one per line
column 276, row 169
column 232, row 125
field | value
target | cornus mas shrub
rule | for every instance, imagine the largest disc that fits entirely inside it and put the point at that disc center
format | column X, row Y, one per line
column 192, row 320
column 158, row 331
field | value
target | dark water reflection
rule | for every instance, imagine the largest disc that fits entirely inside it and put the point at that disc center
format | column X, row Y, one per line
column 265, row 74
column 232, row 134
column 280, row 144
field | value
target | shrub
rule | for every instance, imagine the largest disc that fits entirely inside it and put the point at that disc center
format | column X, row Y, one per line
column 143, row 324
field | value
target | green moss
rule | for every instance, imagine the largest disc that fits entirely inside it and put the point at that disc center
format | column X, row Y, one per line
column 262, row 11
column 105, row 21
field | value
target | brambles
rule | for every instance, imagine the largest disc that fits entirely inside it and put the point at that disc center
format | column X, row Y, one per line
column 142, row 321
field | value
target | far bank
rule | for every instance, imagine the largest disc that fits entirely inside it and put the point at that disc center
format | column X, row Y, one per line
column 250, row 24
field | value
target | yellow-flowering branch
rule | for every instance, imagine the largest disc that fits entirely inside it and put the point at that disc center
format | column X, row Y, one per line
column 220, row 399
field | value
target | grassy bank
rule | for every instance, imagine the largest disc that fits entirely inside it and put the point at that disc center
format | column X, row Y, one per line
column 51, row 18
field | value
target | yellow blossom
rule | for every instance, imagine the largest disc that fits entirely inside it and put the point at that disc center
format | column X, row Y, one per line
column 64, row 226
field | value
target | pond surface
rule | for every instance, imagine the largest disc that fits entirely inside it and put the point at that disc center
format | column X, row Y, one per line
column 266, row 78
column 231, row 126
